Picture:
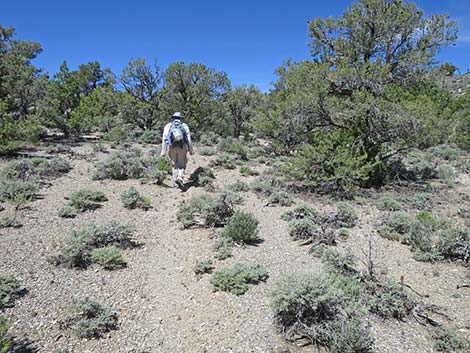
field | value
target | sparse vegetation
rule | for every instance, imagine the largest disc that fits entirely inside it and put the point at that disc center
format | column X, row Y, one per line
column 67, row 212
column 17, row 192
column 86, row 199
column 93, row 319
column 38, row 167
column 281, row 198
column 236, row 279
column 202, row 176
column 132, row 199
column 109, row 257
column 202, row 267
column 9, row 291
column 447, row 340
column 388, row 203
column 224, row 160
column 5, row 340
column 205, row 211
column 238, row 186
column 241, row 228
column 346, row 216
column 10, row 222
column 81, row 243
column 247, row 171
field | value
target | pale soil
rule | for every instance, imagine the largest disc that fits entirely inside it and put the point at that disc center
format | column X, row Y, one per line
column 164, row 307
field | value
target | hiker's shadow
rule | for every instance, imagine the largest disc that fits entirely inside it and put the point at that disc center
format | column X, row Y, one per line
column 189, row 185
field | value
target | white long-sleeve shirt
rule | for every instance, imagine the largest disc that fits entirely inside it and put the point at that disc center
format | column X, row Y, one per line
column 166, row 131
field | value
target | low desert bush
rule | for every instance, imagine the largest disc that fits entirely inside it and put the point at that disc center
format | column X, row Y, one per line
column 202, row 176
column 388, row 300
column 132, row 199
column 238, row 186
column 337, row 263
column 345, row 216
column 232, row 146
column 10, row 222
column 241, row 228
column 281, row 198
column 17, row 192
column 120, row 165
column 93, row 319
column 202, row 267
column 265, row 185
column 303, row 229
column 86, row 199
column 209, row 139
column 446, row 173
column 454, row 244
column 236, row 279
column 205, row 211
column 5, row 340
column 207, row 151
column 303, row 211
column 109, row 257
column 81, row 243
column 67, row 212
column 247, row 171
column 447, row 340
column 224, row 160
column 422, row 200
column 396, row 226
column 9, row 291
column 151, row 137
column 446, row 152
column 388, row 203
column 38, row 167
column 223, row 248
column 319, row 308
column 99, row 147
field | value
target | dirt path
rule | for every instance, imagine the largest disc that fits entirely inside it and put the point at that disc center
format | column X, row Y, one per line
column 163, row 306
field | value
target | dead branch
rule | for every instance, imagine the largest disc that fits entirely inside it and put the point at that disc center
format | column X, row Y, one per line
column 464, row 285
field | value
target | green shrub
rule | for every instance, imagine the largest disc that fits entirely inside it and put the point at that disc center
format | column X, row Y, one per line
column 117, row 135
column 445, row 152
column 132, row 199
column 81, row 243
column 38, row 167
column 67, row 212
column 17, row 192
column 454, row 244
column 343, row 233
column 332, row 164
column 303, row 211
column 209, row 138
column 236, row 279
column 346, row 216
column 281, row 198
column 93, row 319
column 388, row 203
column 120, row 165
column 86, row 199
column 316, row 307
column 247, row 171
column 109, row 257
column 99, row 147
column 396, row 226
column 10, row 222
column 207, row 151
column 202, row 267
column 446, row 173
column 241, row 228
column 202, row 176
column 5, row 340
column 388, row 300
column 415, row 166
column 224, row 160
column 303, row 228
column 447, row 340
column 232, row 146
column 238, row 186
column 9, row 291
column 205, row 211
column 422, row 200
column 151, row 137
column 223, row 248
column 338, row 263
column 265, row 185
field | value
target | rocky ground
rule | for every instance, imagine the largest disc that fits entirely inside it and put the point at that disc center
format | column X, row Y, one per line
column 164, row 307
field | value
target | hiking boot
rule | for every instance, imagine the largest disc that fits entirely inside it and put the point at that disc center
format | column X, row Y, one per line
column 180, row 183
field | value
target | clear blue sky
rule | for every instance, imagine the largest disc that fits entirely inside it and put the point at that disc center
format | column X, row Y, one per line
column 246, row 39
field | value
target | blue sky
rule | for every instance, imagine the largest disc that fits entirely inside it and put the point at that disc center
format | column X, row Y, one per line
column 246, row 39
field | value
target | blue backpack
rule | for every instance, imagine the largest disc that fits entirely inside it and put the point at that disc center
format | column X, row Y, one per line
column 176, row 134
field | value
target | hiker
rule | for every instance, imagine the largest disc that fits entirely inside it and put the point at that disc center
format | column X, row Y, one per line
column 176, row 142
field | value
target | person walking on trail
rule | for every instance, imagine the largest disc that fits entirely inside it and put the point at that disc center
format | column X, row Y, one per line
column 176, row 143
